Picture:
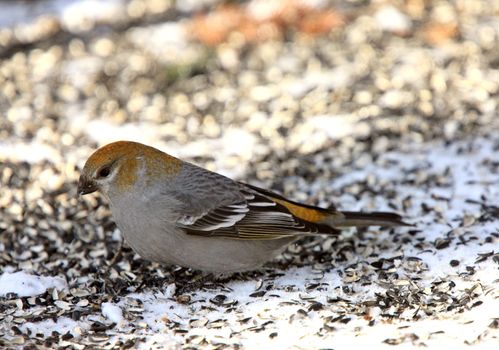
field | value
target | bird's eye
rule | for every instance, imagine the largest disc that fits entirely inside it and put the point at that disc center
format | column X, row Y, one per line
column 104, row 172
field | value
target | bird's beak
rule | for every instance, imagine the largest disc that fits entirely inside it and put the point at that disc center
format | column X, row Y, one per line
column 86, row 185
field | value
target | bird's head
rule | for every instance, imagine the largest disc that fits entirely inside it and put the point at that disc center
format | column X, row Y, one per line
column 117, row 168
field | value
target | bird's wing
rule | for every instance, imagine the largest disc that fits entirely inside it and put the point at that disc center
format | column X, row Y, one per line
column 257, row 215
column 216, row 218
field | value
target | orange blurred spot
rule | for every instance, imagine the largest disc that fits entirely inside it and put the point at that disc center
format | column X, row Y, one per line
column 435, row 33
column 321, row 22
column 216, row 27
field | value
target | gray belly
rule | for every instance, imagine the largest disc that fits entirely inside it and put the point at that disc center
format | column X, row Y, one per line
column 208, row 254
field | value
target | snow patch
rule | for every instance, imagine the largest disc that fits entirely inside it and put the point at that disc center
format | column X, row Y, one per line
column 26, row 285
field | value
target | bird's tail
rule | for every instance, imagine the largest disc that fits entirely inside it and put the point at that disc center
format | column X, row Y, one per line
column 332, row 217
column 360, row 219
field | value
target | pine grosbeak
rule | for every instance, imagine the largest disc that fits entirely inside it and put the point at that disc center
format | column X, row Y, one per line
column 174, row 212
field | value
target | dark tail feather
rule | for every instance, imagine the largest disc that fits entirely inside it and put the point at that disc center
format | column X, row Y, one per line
column 359, row 219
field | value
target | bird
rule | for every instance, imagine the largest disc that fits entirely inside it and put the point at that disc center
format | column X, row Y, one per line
column 176, row 213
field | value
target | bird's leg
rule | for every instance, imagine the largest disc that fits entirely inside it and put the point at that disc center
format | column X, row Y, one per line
column 116, row 256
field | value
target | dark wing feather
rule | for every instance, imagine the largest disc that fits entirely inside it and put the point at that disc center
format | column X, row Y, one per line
column 257, row 217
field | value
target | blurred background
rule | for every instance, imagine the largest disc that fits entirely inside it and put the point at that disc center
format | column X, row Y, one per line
column 229, row 83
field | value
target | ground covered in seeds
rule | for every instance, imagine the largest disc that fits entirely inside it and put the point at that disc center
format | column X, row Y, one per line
column 387, row 105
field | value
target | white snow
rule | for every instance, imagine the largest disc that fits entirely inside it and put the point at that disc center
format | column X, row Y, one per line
column 112, row 312
column 26, row 285
column 170, row 290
